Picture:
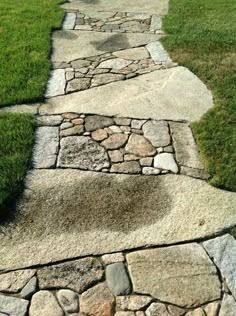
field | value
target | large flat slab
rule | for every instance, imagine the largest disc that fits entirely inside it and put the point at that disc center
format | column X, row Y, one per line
column 140, row 6
column 71, row 45
column 170, row 94
column 70, row 213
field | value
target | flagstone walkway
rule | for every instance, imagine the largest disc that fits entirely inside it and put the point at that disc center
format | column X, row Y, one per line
column 117, row 218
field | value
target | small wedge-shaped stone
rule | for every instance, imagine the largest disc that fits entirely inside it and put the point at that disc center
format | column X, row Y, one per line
column 75, row 275
column 140, row 146
column 115, row 141
column 83, row 153
column 180, row 275
column 13, row 306
column 13, row 282
column 223, row 251
column 94, row 122
column 30, row 288
column 157, row 132
column 44, row 303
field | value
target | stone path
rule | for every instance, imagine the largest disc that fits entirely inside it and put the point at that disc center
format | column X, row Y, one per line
column 117, row 218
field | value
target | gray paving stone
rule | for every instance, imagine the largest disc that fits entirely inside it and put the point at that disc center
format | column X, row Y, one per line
column 13, row 306
column 51, row 120
column 137, row 53
column 69, row 21
column 158, row 52
column 156, row 23
column 157, row 132
column 94, row 122
column 117, row 279
column 56, row 84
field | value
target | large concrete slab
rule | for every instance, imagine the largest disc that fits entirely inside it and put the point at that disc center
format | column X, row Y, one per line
column 171, row 94
column 71, row 45
column 70, row 213
column 139, row 6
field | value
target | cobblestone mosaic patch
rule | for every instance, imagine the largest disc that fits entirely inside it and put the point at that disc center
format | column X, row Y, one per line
column 119, row 22
column 116, row 145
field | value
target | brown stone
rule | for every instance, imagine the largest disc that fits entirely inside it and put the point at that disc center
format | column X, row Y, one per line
column 115, row 156
column 122, row 121
column 97, row 301
column 140, row 146
column 157, row 132
column 99, row 135
column 130, row 157
column 70, row 116
column 115, row 141
column 78, row 121
column 75, row 130
column 94, row 122
column 131, row 167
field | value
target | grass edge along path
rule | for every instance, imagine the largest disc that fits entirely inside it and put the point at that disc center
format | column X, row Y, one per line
column 201, row 37
column 25, row 41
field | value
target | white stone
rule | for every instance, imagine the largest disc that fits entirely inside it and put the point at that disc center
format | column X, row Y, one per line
column 44, row 303
column 228, row 306
column 69, row 21
column 68, row 300
column 13, row 306
column 151, row 171
column 223, row 251
column 156, row 23
column 156, row 309
column 56, row 84
column 166, row 161
column 115, row 63
column 158, row 52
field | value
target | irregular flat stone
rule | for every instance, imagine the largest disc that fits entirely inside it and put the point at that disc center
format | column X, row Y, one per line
column 137, row 53
column 70, row 116
column 106, row 78
column 66, row 125
column 75, row 275
column 166, row 161
column 120, row 6
column 131, row 167
column 171, row 94
column 113, row 258
column 177, row 311
column 56, row 84
column 132, row 302
column 44, row 303
column 181, row 275
column 139, row 146
column 30, row 288
column 13, row 282
column 99, row 135
column 151, row 171
column 137, row 123
column 69, row 21
column 46, row 147
column 77, row 121
column 157, row 309
column 157, row 132
column 185, row 146
column 80, row 63
column 121, row 313
column 197, row 312
column 196, row 173
column 116, row 63
column 156, row 23
column 82, row 152
column 97, row 301
column 122, row 121
column 51, row 120
column 115, row 141
column 223, row 251
column 13, row 306
column 72, row 45
column 95, row 122
column 146, row 162
column 130, row 157
column 228, row 306
column 117, row 279
column 75, row 130
column 78, row 84
column 115, row 156
column 157, row 52
column 115, row 129
column 179, row 212
column 68, row 300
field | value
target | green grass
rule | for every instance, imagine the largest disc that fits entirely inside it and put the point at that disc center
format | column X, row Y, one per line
column 202, row 38
column 25, row 29
column 16, row 141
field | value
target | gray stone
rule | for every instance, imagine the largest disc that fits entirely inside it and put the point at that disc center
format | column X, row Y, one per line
column 46, row 147
column 156, row 23
column 69, row 75
column 13, row 282
column 132, row 302
column 137, row 123
column 30, row 288
column 157, row 132
column 66, row 125
column 158, row 52
column 68, row 300
column 157, row 309
column 51, row 120
column 139, row 146
column 82, row 152
column 80, row 63
column 181, row 275
column 195, row 173
column 223, row 251
column 115, row 63
column 75, row 130
column 131, row 167
column 228, row 306
column 94, row 122
column 166, row 161
column 117, row 279
column 106, row 78
column 158, row 210
column 115, row 141
column 69, row 22
column 70, row 116
column 137, row 53
column 171, row 94
column 44, row 303
column 76, row 275
column 150, row 171
column 97, row 301
column 56, row 84
column 113, row 258
column 13, row 306
column 133, row 26
column 78, row 84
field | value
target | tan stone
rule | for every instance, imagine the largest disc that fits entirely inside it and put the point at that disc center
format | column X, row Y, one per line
column 157, row 132
column 122, row 121
column 130, row 157
column 132, row 302
column 137, row 53
column 175, row 310
column 146, row 162
column 44, row 303
column 99, row 135
column 115, row 155
column 131, row 167
column 97, row 301
column 113, row 258
column 122, row 313
column 115, row 141
column 75, row 130
column 196, row 312
column 77, row 121
column 139, row 146
column 70, row 116
column 212, row 309
column 13, row 282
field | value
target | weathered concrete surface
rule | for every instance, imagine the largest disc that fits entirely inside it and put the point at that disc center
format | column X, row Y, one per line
column 171, row 94
column 157, row 7
column 70, row 213
column 71, row 45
